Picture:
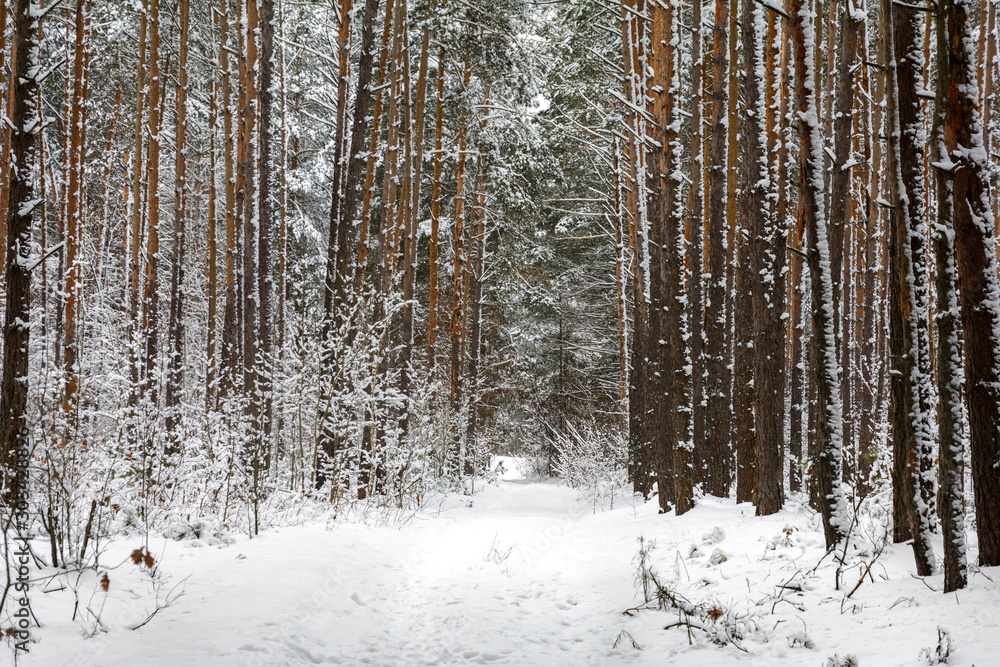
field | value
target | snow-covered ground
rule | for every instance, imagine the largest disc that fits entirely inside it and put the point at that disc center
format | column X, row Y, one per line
column 520, row 574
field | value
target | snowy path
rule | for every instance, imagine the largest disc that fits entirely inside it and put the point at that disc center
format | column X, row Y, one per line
column 427, row 594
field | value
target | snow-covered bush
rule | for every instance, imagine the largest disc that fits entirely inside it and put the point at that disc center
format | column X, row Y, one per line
column 594, row 462
column 718, row 623
column 940, row 654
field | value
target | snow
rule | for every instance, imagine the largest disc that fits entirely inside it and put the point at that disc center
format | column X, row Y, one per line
column 508, row 467
column 524, row 573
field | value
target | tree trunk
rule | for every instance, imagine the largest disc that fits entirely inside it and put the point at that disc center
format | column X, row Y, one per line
column 175, row 362
column 211, row 250
column 476, row 314
column 247, row 201
column 621, row 288
column 345, row 218
column 330, row 306
column 265, row 212
column 367, row 203
column 870, row 186
column 393, row 205
column 432, row 304
column 909, row 340
column 24, row 124
column 150, row 300
column 135, row 360
column 766, row 269
column 74, row 210
column 696, row 306
column 230, row 327
column 961, row 165
column 716, row 392
column 419, row 118
column 106, row 197
column 458, row 296
column 413, row 175
column 825, row 371
column 951, row 459
column 848, row 29
column 668, row 319
column 744, row 436
column 6, row 108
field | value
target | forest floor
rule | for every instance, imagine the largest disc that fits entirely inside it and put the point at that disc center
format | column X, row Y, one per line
column 522, row 573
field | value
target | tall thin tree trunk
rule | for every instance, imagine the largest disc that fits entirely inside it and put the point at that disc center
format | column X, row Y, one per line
column 909, row 340
column 230, row 327
column 286, row 198
column 696, row 309
column 211, row 250
column 476, row 313
column 330, row 314
column 265, row 213
column 394, row 200
column 24, row 124
column 716, row 392
column 848, row 29
column 150, row 299
column 135, row 360
column 621, row 286
column 414, row 174
column 871, row 178
column 961, row 166
column 951, row 459
column 175, row 331
column 458, row 296
column 744, row 435
column 432, row 301
column 367, row 202
column 247, row 198
column 346, row 228
column 730, row 381
column 74, row 210
column 825, row 371
column 6, row 107
column 668, row 318
column 765, row 266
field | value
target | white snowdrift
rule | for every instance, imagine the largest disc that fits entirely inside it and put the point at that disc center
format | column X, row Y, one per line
column 523, row 574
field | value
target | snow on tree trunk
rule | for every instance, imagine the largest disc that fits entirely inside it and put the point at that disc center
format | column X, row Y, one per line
column 23, row 114
column 73, row 286
column 175, row 327
column 663, row 216
column 716, row 392
column 909, row 340
column 767, row 293
column 694, row 228
column 825, row 371
column 345, row 231
column 265, row 214
column 964, row 212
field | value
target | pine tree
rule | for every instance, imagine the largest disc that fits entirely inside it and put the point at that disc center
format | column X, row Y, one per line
column 825, row 371
column 345, row 229
column 24, row 126
column 716, row 323
column 960, row 164
column 909, row 339
column 175, row 331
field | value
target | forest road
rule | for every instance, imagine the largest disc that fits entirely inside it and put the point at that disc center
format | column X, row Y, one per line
column 515, row 574
column 519, row 574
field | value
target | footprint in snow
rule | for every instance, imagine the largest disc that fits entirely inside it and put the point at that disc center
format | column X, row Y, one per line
column 357, row 599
